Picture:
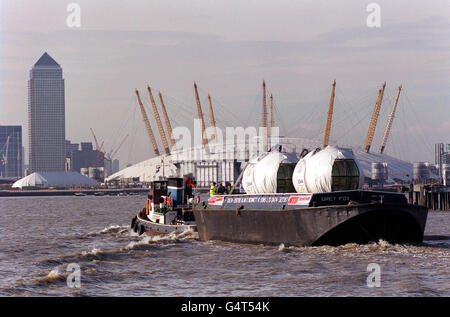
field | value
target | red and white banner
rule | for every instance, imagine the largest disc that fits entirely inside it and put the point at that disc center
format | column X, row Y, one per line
column 216, row 201
column 299, row 200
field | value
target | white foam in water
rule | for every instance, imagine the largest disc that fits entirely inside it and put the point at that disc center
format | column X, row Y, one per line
column 187, row 234
column 94, row 251
column 108, row 229
column 146, row 240
column 54, row 273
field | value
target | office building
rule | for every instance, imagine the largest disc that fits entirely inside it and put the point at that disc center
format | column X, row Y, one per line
column 46, row 116
column 11, row 153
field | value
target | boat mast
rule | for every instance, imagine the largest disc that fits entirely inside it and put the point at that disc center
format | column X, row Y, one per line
column 390, row 120
column 166, row 120
column 326, row 136
column 373, row 121
column 147, row 125
column 211, row 118
column 200, row 116
column 162, row 134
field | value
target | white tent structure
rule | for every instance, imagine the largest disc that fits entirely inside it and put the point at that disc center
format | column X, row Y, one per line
column 52, row 179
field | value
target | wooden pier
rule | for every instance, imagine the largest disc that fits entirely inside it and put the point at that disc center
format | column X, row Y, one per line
column 435, row 197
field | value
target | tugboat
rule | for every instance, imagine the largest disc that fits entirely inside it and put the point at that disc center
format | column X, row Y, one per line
column 168, row 208
column 316, row 201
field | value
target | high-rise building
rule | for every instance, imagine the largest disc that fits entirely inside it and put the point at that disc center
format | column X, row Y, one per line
column 115, row 166
column 438, row 151
column 86, row 157
column 11, row 151
column 46, row 116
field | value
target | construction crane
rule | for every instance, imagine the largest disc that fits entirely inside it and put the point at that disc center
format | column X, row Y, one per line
column 5, row 156
column 387, row 130
column 167, row 121
column 326, row 136
column 100, row 155
column 97, row 147
column 200, row 117
column 211, row 118
column 162, row 134
column 109, row 156
column 373, row 121
column 264, row 116
column 147, row 125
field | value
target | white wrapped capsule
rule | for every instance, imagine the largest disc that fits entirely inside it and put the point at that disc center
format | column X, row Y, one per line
column 326, row 170
column 269, row 173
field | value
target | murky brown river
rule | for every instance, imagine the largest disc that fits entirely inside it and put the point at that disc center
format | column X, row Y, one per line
column 41, row 238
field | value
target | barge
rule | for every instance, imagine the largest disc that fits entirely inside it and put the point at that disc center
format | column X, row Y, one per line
column 317, row 200
column 312, row 219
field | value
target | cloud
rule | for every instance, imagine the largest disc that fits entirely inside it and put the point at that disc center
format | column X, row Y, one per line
column 430, row 33
column 102, row 68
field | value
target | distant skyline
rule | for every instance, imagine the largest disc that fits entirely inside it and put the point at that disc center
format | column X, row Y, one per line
column 228, row 48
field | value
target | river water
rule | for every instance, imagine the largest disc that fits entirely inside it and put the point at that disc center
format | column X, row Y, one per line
column 43, row 238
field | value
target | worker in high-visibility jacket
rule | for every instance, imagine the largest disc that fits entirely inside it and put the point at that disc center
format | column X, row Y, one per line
column 213, row 189
column 228, row 187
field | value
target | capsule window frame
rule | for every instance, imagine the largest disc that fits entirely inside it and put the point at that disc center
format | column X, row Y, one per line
column 350, row 178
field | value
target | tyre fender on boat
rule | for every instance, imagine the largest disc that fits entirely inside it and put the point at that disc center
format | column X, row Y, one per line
column 141, row 229
column 136, row 226
column 133, row 221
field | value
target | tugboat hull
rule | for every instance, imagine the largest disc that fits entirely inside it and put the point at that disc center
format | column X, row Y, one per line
column 325, row 225
column 141, row 225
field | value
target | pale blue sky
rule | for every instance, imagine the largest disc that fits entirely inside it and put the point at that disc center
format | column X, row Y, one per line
column 228, row 47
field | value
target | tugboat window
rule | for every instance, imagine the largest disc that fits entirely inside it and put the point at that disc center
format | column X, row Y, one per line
column 345, row 175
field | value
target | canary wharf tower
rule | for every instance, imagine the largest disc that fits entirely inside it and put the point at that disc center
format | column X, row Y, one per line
column 46, row 116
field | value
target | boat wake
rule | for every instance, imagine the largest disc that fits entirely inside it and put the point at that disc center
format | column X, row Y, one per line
column 110, row 229
column 103, row 252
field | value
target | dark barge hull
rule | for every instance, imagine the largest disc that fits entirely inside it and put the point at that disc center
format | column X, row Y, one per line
column 311, row 226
